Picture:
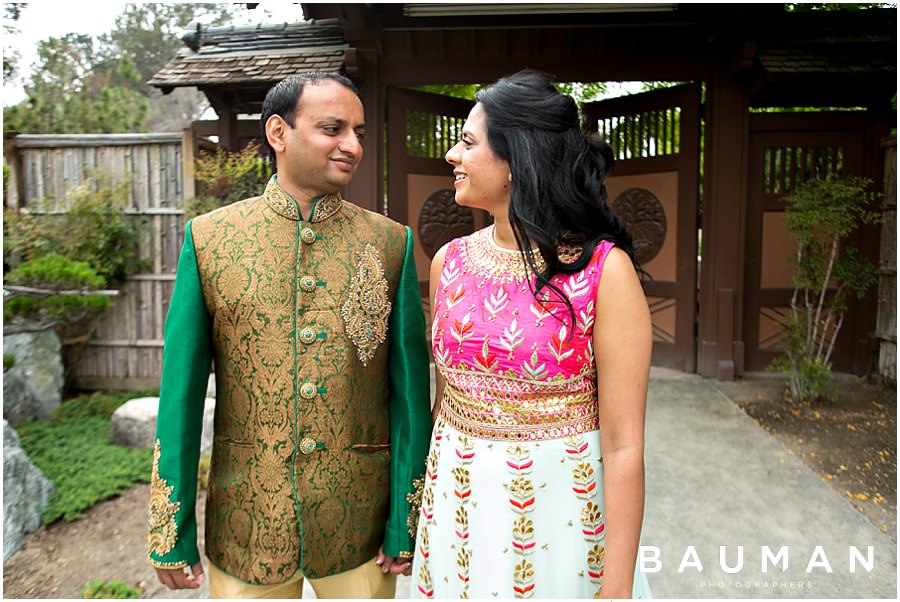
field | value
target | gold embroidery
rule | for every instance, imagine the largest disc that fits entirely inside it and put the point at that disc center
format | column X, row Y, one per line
column 424, row 584
column 163, row 528
column 367, row 309
column 278, row 200
column 585, row 488
column 522, row 500
column 415, row 505
column 526, row 417
column 465, row 452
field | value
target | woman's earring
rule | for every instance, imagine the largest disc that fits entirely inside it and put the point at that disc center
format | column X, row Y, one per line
column 510, row 176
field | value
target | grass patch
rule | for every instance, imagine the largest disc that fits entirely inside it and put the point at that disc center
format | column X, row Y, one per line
column 74, row 450
column 97, row 588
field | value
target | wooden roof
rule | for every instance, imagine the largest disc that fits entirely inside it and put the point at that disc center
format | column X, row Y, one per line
column 255, row 56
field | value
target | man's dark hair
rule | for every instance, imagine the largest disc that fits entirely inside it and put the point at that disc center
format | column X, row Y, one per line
column 282, row 99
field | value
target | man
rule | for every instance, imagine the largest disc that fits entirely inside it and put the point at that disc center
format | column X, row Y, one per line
column 310, row 308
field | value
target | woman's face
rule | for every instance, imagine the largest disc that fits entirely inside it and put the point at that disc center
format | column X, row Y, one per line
column 482, row 179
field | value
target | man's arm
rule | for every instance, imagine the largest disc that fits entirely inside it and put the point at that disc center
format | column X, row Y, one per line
column 187, row 354
column 410, row 406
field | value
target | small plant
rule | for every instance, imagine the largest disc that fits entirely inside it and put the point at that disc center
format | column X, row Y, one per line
column 9, row 361
column 821, row 214
column 43, row 305
column 225, row 177
column 113, row 588
column 94, row 229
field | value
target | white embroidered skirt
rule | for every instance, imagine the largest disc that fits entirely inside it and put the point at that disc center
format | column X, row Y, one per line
column 512, row 520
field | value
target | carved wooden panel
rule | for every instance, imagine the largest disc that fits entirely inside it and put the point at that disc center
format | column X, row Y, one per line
column 441, row 220
column 645, row 217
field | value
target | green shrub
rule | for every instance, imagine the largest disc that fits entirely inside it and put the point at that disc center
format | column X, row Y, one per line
column 94, row 229
column 98, row 588
column 8, row 361
column 74, row 450
column 224, row 177
column 55, row 272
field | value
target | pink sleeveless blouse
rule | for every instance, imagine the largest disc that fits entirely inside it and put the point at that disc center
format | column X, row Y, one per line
column 517, row 369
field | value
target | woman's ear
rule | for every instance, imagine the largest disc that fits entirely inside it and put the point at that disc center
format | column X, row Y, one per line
column 276, row 128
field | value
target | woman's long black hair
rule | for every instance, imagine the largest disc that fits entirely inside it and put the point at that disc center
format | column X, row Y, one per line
column 558, row 192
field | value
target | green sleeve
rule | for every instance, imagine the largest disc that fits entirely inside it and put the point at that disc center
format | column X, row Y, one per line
column 187, row 353
column 410, row 405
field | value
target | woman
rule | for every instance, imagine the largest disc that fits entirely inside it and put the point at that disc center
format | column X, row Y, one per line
column 541, row 336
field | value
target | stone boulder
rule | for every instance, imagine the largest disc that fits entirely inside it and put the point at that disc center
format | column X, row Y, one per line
column 32, row 388
column 134, row 423
column 26, row 492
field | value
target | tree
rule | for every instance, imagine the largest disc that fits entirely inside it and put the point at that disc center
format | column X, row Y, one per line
column 820, row 215
column 150, row 35
column 69, row 93
column 11, row 14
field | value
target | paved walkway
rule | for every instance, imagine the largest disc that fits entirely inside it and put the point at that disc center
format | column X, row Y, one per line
column 715, row 478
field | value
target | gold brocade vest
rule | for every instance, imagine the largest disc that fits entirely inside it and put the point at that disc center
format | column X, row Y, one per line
column 300, row 471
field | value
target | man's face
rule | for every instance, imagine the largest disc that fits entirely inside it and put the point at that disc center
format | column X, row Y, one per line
column 324, row 148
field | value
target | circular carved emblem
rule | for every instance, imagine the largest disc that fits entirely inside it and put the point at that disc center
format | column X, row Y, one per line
column 645, row 218
column 441, row 220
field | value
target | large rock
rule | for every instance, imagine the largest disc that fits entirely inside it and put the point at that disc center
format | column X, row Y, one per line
column 26, row 492
column 134, row 423
column 32, row 388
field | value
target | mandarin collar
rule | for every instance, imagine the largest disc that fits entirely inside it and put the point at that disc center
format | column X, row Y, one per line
column 281, row 203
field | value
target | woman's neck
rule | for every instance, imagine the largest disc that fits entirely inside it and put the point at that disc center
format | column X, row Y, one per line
column 503, row 234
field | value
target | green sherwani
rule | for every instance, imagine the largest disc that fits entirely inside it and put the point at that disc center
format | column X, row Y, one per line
column 322, row 415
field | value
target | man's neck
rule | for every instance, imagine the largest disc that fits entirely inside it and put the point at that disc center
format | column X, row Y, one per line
column 305, row 201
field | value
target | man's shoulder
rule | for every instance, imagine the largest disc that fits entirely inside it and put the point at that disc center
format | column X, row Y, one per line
column 373, row 219
column 226, row 213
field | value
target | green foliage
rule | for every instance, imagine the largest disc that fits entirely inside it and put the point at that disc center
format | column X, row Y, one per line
column 95, row 207
column 11, row 13
column 581, row 92
column 100, row 589
column 55, row 272
column 8, row 361
column 69, row 92
column 73, row 449
column 821, row 214
column 225, row 177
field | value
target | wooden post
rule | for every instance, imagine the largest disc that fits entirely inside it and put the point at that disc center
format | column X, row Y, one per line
column 15, row 192
column 187, row 163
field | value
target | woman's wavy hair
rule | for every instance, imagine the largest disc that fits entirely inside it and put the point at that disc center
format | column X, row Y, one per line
column 558, row 192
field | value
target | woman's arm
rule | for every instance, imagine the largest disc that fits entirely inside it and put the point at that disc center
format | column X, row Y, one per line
column 622, row 348
column 434, row 280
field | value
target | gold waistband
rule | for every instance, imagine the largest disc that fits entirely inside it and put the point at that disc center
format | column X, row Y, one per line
column 527, row 418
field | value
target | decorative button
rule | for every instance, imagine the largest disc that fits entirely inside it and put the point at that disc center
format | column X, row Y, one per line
column 307, row 235
column 308, row 391
column 308, row 284
column 307, row 446
column 307, row 335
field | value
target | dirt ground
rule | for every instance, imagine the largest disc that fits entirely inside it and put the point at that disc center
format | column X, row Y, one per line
column 850, row 441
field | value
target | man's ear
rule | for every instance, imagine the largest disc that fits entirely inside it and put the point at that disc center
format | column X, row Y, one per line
column 276, row 129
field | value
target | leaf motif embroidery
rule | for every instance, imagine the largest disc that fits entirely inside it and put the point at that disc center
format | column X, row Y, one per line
column 449, row 273
column 487, row 361
column 577, row 286
column 535, row 371
column 455, row 297
column 497, row 302
column 461, row 330
column 441, row 355
column 540, row 312
column 512, row 337
column 559, row 347
column 585, row 319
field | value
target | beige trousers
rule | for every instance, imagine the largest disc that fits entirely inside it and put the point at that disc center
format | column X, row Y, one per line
column 365, row 581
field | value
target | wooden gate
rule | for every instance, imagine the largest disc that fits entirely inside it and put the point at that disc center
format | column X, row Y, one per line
column 654, row 188
column 422, row 127
column 785, row 150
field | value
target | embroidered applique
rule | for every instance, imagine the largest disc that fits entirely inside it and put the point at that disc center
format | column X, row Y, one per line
column 163, row 528
column 415, row 505
column 366, row 311
column 278, row 200
column 424, row 584
column 522, row 501
column 592, row 522
column 465, row 452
